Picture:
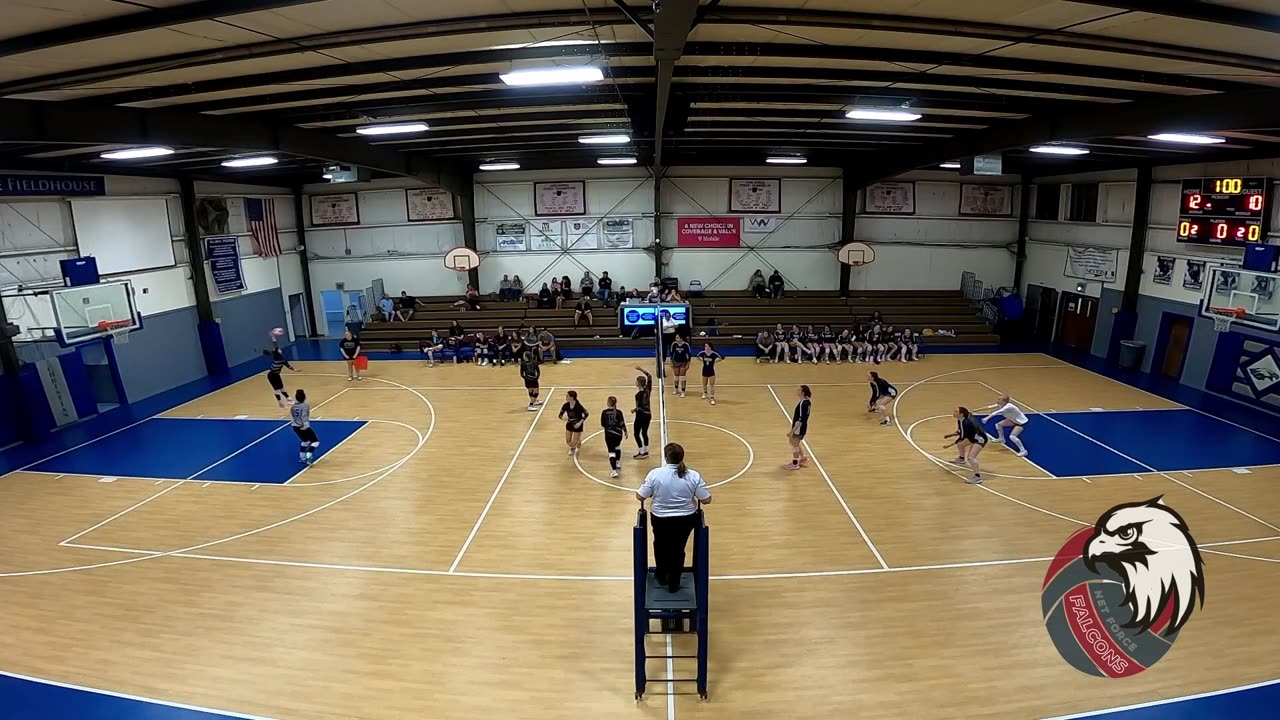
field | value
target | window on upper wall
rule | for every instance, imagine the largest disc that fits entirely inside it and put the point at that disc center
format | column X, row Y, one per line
column 1083, row 206
column 1048, row 198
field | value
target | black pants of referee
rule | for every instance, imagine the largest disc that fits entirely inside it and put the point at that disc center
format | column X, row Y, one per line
column 670, row 535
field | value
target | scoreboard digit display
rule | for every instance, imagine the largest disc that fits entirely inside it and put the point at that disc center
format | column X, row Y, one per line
column 1224, row 211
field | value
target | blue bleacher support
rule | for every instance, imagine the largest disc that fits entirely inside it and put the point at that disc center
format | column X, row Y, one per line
column 677, row 613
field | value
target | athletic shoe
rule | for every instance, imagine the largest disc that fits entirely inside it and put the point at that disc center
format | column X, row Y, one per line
column 570, row 451
column 791, row 466
column 975, row 480
column 613, row 473
column 431, row 364
column 886, row 421
column 532, row 408
column 349, row 379
column 704, row 396
column 828, row 362
column 681, row 393
column 957, row 461
column 311, row 461
column 1022, row 453
column 640, row 456
column 999, row 439
column 713, row 401
column 804, row 460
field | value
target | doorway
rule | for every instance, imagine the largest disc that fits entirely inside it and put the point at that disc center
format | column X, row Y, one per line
column 1076, row 321
column 1042, row 306
column 1172, row 342
column 298, row 316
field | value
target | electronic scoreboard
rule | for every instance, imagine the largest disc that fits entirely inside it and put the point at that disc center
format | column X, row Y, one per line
column 1224, row 211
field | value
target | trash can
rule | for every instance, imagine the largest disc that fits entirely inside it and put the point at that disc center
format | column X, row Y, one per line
column 1131, row 354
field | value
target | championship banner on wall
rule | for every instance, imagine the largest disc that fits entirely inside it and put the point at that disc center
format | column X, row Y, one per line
column 1165, row 265
column 223, row 254
column 547, row 235
column 337, row 209
column 560, row 198
column 511, row 236
column 1089, row 263
column 986, row 200
column 890, row 198
column 755, row 196
column 582, row 234
column 427, row 204
column 704, row 232
column 618, row 232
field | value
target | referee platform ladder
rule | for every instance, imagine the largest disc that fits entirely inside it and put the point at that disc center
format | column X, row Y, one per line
column 659, row 612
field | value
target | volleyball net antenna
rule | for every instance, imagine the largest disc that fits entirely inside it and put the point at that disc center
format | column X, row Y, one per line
column 660, row 354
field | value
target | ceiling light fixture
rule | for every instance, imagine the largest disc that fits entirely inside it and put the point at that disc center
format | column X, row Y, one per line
column 883, row 114
column 786, row 160
column 950, row 166
column 500, row 165
column 616, row 161
column 619, row 139
column 553, row 76
column 136, row 153
column 327, row 176
column 392, row 129
column 1190, row 138
column 1059, row 150
column 250, row 162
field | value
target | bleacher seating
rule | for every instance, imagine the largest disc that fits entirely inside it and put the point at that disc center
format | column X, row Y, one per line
column 738, row 316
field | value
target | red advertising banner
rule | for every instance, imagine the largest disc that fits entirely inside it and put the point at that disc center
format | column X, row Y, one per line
column 708, row 232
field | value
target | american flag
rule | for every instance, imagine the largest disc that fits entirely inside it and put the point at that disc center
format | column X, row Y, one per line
column 261, row 214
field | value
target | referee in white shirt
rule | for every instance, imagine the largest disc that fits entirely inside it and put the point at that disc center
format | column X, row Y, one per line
column 676, row 491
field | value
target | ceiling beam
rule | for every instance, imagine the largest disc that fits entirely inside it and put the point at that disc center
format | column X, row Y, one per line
column 1201, row 11
column 477, row 100
column 634, row 17
column 671, row 28
column 29, row 120
column 138, row 22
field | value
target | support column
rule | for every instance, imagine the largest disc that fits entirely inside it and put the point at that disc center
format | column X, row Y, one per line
column 1024, row 217
column 467, row 214
column 848, row 219
column 8, row 351
column 1125, row 322
column 215, row 353
column 300, row 220
column 657, row 221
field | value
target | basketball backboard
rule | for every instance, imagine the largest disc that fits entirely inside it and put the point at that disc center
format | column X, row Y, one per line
column 80, row 311
column 1256, row 292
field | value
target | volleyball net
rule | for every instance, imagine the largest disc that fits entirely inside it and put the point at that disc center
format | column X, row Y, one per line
column 660, row 354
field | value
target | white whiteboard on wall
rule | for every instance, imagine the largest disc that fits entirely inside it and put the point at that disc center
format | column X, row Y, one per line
column 124, row 235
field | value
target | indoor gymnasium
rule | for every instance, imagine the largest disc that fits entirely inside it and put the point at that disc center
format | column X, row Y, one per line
column 697, row 359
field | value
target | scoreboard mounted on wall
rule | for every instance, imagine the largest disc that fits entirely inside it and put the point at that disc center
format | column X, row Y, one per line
column 1225, row 211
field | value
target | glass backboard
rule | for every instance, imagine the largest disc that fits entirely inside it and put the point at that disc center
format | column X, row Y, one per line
column 1254, row 291
column 89, row 312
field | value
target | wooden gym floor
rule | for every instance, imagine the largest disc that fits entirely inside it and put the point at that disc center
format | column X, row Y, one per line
column 450, row 561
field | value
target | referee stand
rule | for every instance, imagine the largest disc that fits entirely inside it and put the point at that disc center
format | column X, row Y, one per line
column 680, row 613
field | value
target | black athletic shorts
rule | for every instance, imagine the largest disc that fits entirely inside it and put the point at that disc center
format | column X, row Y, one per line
column 531, row 384
column 612, row 441
column 306, row 435
column 277, row 382
column 708, row 371
column 573, row 426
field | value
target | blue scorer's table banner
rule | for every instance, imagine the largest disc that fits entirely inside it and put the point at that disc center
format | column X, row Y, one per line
column 223, row 254
column 52, row 185
column 634, row 315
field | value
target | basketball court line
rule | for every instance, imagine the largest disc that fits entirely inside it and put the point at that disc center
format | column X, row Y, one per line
column 751, row 457
column 1166, row 701
column 501, row 481
column 718, row 384
column 122, row 513
column 135, row 698
column 825, row 476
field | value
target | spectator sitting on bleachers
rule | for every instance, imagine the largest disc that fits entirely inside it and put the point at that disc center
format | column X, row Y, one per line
column 587, row 284
column 764, row 346
column 557, row 294
column 408, row 305
column 654, row 295
column 566, row 288
column 776, row 285
column 504, row 289
column 757, row 285
column 544, row 297
column 455, row 329
column 547, row 345
column 471, row 300
column 517, row 289
column 388, row 308
column 583, row 308
column 673, row 296
column 431, row 347
column 605, row 288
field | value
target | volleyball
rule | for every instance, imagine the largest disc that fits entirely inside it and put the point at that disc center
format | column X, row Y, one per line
column 277, row 332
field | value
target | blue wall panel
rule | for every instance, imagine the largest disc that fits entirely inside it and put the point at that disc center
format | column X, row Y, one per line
column 246, row 323
column 164, row 354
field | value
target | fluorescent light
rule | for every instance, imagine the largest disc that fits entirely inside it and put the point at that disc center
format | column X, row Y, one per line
column 392, row 129
column 135, row 153
column 884, row 114
column 604, row 139
column 500, row 166
column 1059, row 150
column 250, row 162
column 786, row 160
column 546, row 43
column 1190, row 138
column 553, row 76
column 950, row 166
column 327, row 176
column 616, row 161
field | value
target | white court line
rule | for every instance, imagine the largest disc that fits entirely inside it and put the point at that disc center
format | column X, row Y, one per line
column 136, row 698
column 614, row 387
column 832, row 485
column 328, row 452
column 501, row 481
column 1167, row 701
column 126, row 511
column 671, row 685
column 246, row 447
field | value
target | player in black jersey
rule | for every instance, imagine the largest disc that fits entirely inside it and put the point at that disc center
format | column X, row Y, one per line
column 531, row 370
column 910, row 344
column 644, row 415
column 827, row 341
column 809, row 345
column 278, row 363
column 794, row 339
column 709, row 358
column 971, row 438
column 875, row 344
column 857, row 338
column 844, row 345
column 680, row 355
column 575, row 416
column 799, row 428
column 882, row 395
column 349, row 346
column 614, row 424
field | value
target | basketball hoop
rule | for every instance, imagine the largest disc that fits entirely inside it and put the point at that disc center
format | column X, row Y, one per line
column 117, row 329
column 856, row 254
column 461, row 259
column 1224, row 316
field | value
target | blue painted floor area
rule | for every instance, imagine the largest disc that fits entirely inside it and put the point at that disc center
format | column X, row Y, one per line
column 26, row 698
column 1168, row 440
column 248, row 451
column 1064, row 453
column 1253, row 702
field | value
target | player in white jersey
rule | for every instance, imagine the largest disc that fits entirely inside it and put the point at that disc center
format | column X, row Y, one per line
column 1013, row 417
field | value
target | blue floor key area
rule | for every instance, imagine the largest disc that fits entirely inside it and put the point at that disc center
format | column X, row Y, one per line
column 249, row 451
column 31, row 698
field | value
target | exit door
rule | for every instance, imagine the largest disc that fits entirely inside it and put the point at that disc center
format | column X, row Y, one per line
column 1076, row 321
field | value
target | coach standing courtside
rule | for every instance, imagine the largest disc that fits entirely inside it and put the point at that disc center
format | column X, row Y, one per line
column 676, row 491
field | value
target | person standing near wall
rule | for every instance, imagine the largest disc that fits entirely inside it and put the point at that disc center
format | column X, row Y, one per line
column 349, row 346
column 678, row 492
